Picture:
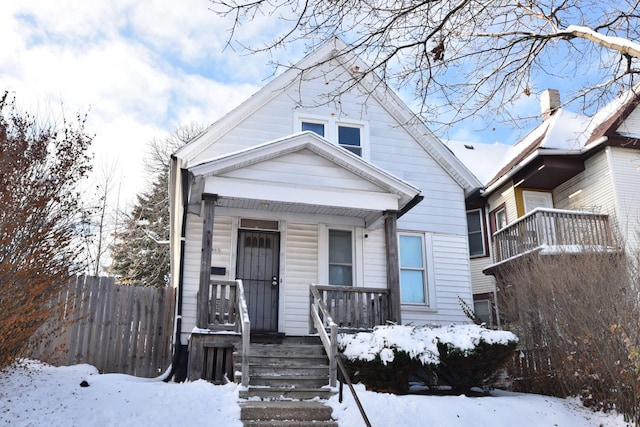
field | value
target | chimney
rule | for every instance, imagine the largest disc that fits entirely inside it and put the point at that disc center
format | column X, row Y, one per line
column 549, row 102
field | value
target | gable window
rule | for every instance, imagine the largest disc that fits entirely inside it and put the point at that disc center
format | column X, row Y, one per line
column 476, row 233
column 340, row 258
column 313, row 127
column 352, row 135
column 412, row 269
column 349, row 138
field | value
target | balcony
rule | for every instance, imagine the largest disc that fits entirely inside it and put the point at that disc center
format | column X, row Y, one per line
column 552, row 231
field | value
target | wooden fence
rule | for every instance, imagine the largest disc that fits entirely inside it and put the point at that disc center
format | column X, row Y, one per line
column 116, row 328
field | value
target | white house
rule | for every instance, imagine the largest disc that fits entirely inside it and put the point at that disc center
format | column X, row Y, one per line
column 299, row 186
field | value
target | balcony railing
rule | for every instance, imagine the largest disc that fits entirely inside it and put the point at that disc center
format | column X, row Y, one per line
column 353, row 307
column 553, row 230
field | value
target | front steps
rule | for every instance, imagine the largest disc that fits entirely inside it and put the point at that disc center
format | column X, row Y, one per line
column 296, row 368
column 282, row 375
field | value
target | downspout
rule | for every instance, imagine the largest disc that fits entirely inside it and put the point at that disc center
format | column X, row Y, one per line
column 180, row 351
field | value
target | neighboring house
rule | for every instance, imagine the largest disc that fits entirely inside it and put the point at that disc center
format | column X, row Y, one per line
column 569, row 185
column 295, row 187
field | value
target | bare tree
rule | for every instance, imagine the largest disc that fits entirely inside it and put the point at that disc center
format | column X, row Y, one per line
column 99, row 220
column 464, row 57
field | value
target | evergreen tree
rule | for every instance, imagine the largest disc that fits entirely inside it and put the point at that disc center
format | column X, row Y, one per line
column 141, row 250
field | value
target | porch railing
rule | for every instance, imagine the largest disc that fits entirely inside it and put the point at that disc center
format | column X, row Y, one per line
column 226, row 310
column 354, row 307
column 322, row 321
column 562, row 230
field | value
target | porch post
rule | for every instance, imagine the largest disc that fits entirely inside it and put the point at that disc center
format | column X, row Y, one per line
column 393, row 269
column 202, row 320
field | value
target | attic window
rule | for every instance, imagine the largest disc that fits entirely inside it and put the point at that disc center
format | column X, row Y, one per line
column 349, row 139
column 468, row 146
column 313, row 127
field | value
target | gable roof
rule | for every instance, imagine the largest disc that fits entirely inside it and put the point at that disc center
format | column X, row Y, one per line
column 564, row 133
column 224, row 177
column 336, row 49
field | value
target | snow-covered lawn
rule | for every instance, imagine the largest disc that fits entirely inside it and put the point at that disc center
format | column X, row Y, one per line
column 34, row 394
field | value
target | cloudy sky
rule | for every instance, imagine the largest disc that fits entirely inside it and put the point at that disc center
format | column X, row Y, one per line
column 138, row 68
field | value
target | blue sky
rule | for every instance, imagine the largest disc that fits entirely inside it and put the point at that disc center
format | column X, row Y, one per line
column 140, row 69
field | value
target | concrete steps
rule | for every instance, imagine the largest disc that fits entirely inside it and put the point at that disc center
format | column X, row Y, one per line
column 286, row 414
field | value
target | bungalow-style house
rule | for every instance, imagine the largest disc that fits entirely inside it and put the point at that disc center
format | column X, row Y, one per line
column 570, row 185
column 306, row 205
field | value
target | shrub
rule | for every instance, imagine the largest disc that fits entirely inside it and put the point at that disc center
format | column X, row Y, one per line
column 461, row 357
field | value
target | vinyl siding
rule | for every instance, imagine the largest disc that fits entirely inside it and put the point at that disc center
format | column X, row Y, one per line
column 626, row 178
column 301, row 269
column 449, row 281
column 221, row 257
column 390, row 147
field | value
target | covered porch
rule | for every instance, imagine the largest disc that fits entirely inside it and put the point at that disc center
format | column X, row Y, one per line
column 281, row 199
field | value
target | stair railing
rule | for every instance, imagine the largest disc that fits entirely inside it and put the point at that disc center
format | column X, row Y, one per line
column 245, row 329
column 344, row 377
column 321, row 321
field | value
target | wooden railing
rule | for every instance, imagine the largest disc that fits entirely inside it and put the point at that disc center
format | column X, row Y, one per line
column 245, row 330
column 322, row 321
column 226, row 310
column 562, row 230
column 353, row 307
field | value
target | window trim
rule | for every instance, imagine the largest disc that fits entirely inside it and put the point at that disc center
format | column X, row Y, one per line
column 483, row 232
column 424, row 269
column 353, row 254
column 357, row 236
column 493, row 218
column 489, row 303
column 331, row 128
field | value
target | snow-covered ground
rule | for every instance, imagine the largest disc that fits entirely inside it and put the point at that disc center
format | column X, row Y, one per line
column 34, row 394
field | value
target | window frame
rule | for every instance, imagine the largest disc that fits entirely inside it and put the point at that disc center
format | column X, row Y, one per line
column 493, row 217
column 353, row 255
column 490, row 310
column 331, row 125
column 482, row 231
column 424, row 268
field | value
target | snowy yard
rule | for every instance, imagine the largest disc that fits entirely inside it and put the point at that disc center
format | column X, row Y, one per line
column 40, row 395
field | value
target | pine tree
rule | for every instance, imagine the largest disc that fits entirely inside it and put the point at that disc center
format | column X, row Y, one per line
column 141, row 251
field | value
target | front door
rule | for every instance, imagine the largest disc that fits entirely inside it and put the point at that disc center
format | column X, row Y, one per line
column 258, row 268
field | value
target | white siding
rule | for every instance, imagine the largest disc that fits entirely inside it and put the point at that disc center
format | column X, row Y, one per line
column 449, row 280
column 301, row 269
column 375, row 259
column 221, row 257
column 625, row 164
column 390, row 147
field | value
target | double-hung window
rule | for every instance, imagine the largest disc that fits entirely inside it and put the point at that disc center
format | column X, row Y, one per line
column 340, row 258
column 476, row 233
column 412, row 269
column 349, row 139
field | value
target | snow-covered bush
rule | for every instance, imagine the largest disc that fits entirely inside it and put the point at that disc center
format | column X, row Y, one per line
column 459, row 356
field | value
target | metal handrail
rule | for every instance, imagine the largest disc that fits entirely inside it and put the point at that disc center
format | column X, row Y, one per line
column 345, row 376
column 330, row 342
column 245, row 327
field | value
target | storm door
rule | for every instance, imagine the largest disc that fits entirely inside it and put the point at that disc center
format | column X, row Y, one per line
column 258, row 267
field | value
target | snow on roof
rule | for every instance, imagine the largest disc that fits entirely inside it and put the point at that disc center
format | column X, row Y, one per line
column 564, row 131
column 483, row 160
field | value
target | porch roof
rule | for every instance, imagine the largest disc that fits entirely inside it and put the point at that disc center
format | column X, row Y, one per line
column 302, row 173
